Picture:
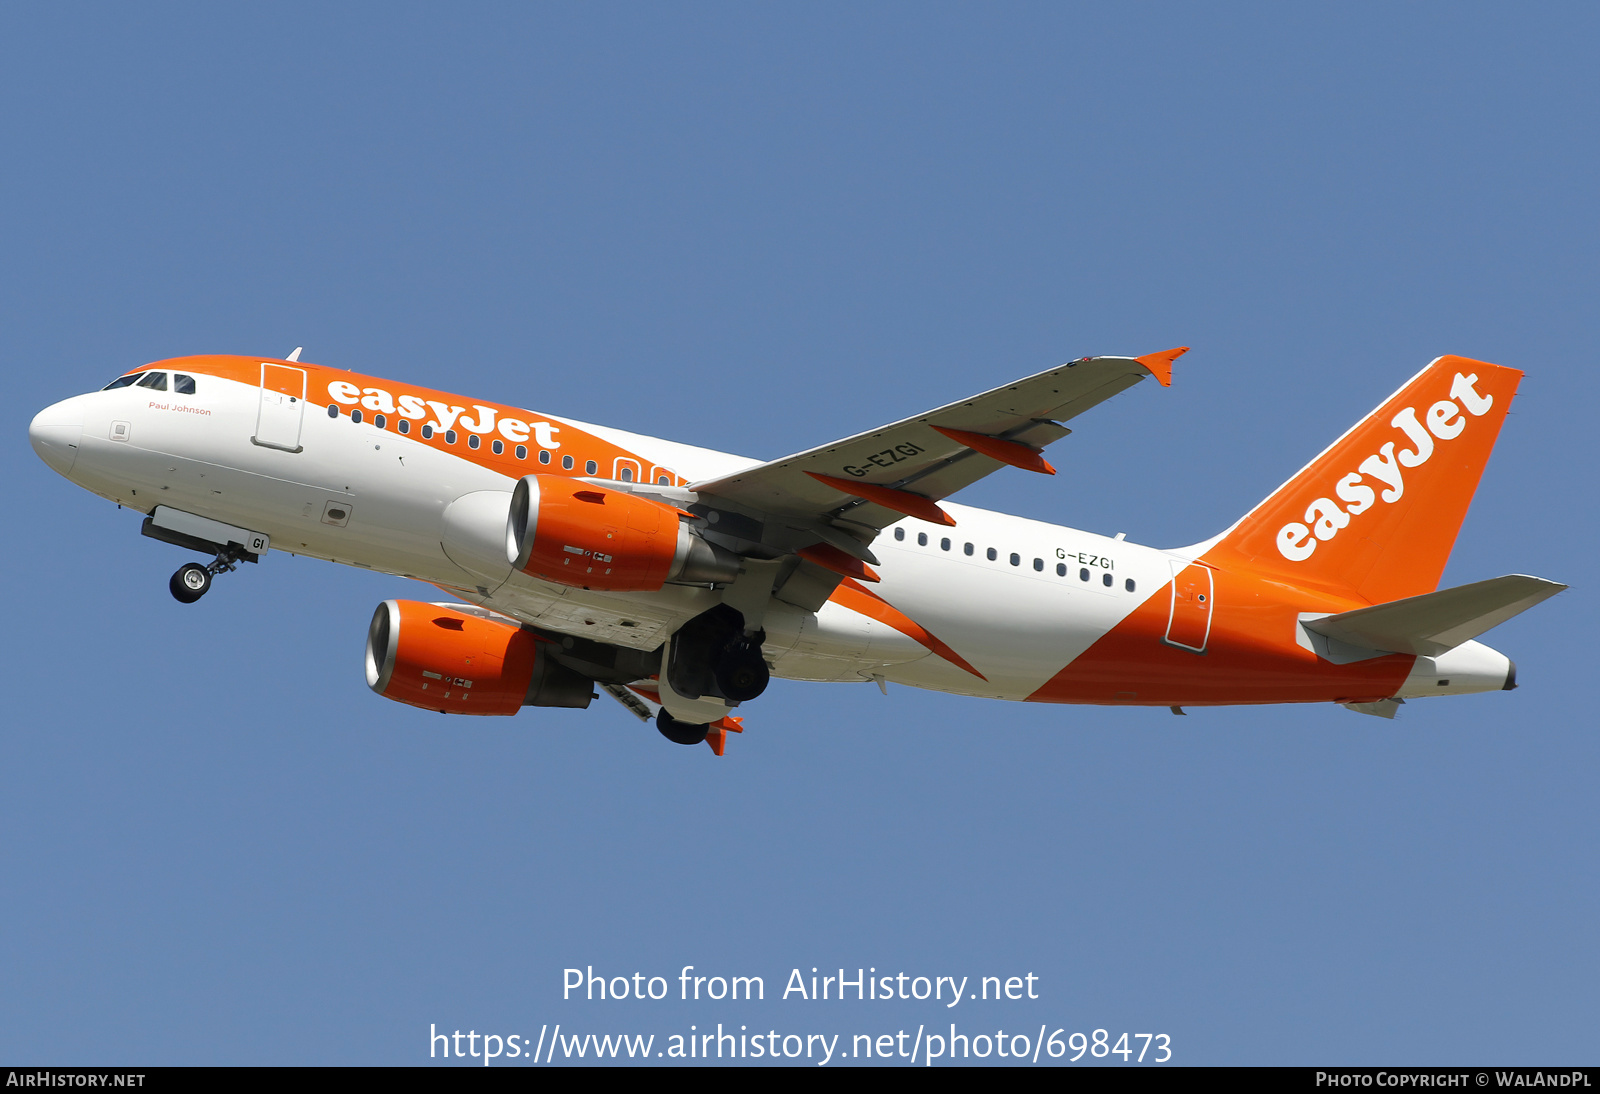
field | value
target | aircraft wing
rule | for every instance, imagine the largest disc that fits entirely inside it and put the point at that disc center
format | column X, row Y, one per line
column 875, row 478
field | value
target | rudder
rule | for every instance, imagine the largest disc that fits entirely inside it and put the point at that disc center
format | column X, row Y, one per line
column 1377, row 513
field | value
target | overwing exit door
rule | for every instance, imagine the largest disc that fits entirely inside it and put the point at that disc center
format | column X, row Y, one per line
column 283, row 406
column 1189, row 620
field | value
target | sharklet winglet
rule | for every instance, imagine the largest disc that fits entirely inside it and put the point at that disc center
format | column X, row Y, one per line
column 1160, row 364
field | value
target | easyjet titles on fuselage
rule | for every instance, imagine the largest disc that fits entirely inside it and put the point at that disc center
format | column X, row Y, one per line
column 446, row 417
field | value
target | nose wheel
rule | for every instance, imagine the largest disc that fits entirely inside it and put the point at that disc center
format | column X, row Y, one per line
column 192, row 581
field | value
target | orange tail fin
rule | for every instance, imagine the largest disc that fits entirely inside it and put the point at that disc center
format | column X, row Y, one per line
column 1377, row 513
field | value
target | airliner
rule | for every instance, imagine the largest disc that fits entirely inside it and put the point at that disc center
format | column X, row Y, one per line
column 581, row 559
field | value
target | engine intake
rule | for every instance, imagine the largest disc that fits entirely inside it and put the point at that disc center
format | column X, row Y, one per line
column 437, row 658
column 576, row 533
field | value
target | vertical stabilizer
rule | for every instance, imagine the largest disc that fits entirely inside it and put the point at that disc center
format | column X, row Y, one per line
column 1376, row 514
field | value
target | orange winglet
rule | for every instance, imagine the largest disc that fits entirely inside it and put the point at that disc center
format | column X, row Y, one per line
column 717, row 732
column 831, row 558
column 901, row 501
column 1160, row 364
column 1014, row 453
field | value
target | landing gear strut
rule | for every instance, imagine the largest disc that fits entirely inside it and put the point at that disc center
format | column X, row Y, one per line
column 193, row 580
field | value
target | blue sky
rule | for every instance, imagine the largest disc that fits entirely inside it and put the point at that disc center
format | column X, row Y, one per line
column 757, row 228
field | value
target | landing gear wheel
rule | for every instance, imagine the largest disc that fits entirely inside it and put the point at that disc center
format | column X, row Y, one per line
column 742, row 675
column 190, row 583
column 680, row 733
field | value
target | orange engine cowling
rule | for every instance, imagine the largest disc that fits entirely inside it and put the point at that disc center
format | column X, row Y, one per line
column 438, row 658
column 576, row 533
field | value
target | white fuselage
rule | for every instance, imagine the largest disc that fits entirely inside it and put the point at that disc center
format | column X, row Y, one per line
column 412, row 510
column 996, row 606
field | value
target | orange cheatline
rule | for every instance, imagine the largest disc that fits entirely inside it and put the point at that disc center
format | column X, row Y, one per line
column 1014, row 453
column 831, row 558
column 1160, row 364
column 901, row 501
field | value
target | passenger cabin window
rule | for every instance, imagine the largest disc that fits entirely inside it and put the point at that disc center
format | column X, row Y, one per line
column 1038, row 564
column 627, row 474
column 992, row 554
column 1128, row 584
column 590, row 468
column 1016, row 559
column 379, row 420
column 449, row 436
column 427, row 432
column 355, row 416
column 333, row 410
column 967, row 549
column 155, row 381
column 403, row 425
column 522, row 451
column 1061, row 569
column 1105, row 579
column 473, row 441
column 499, row 447
column 1083, row 574
column 544, row 456
column 183, row 385
column 922, row 539
column 123, row 381
column 566, row 463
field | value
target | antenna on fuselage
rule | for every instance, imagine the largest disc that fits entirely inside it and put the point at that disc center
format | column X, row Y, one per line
column 295, row 356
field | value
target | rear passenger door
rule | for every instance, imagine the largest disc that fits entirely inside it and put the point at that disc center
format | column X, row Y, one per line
column 1189, row 617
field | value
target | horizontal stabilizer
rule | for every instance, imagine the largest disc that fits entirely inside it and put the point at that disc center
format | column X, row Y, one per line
column 1432, row 623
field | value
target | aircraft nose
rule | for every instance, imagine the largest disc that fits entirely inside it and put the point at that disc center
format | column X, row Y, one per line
column 55, row 433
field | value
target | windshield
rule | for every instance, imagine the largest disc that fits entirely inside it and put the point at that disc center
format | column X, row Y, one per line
column 122, row 381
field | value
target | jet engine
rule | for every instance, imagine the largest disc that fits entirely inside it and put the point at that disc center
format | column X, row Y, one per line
column 576, row 533
column 438, row 658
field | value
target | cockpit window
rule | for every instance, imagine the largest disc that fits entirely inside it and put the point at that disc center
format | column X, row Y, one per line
column 122, row 381
column 155, row 381
column 183, row 385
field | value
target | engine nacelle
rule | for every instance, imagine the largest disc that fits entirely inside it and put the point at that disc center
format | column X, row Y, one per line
column 441, row 659
column 576, row 533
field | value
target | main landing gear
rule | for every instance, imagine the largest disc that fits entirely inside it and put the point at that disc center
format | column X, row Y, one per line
column 680, row 733
column 192, row 581
column 713, row 657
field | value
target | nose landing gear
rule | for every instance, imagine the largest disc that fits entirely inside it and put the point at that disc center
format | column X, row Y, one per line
column 192, row 581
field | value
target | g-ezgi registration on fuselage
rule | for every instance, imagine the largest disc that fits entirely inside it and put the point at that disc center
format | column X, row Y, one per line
column 676, row 579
